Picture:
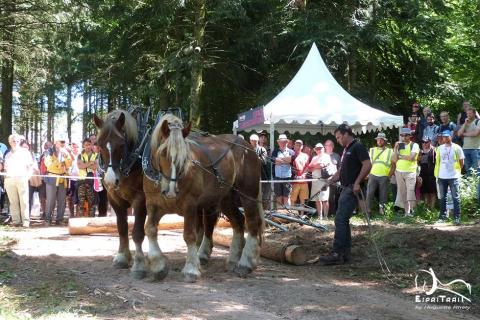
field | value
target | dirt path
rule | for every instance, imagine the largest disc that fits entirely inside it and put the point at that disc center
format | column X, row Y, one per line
column 77, row 270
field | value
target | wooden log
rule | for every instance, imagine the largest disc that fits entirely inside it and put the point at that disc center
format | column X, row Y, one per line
column 86, row 226
column 273, row 250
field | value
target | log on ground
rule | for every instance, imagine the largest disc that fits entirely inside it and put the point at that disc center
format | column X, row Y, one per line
column 86, row 226
column 273, row 250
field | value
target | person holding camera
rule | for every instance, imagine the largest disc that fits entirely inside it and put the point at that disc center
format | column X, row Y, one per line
column 57, row 162
column 379, row 177
column 320, row 164
column 405, row 156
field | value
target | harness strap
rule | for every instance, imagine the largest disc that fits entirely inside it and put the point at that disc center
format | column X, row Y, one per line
column 213, row 163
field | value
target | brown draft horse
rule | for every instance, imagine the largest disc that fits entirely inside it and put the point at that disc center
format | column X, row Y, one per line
column 199, row 173
column 118, row 132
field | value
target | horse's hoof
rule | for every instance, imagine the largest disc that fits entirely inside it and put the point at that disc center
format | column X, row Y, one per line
column 120, row 263
column 138, row 274
column 203, row 261
column 231, row 265
column 159, row 276
column 242, row 271
column 190, row 277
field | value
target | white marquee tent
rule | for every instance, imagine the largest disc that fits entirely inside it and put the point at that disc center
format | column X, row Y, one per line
column 314, row 102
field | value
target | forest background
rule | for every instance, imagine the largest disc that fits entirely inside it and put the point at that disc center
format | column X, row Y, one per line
column 216, row 58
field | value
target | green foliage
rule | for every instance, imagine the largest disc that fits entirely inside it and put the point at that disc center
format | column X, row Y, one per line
column 468, row 196
column 386, row 53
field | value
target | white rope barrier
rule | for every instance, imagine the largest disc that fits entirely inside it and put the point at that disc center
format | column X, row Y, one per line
column 50, row 176
column 293, row 180
column 99, row 178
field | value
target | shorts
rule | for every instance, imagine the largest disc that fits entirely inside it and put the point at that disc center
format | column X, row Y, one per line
column 319, row 192
column 406, row 182
column 282, row 189
column 299, row 190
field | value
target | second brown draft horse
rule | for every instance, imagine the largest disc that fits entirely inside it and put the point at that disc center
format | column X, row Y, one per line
column 117, row 138
column 198, row 173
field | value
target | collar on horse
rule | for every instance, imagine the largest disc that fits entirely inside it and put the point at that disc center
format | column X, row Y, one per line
column 129, row 159
column 150, row 172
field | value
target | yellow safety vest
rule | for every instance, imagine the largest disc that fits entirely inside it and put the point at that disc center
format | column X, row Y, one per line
column 407, row 165
column 381, row 161
column 82, row 173
column 456, row 166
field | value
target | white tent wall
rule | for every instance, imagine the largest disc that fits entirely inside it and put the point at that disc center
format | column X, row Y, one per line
column 314, row 102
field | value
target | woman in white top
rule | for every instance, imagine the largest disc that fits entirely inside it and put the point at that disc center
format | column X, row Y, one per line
column 320, row 190
column 18, row 168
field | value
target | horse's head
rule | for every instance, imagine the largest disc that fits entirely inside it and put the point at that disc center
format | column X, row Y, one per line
column 117, row 132
column 170, row 152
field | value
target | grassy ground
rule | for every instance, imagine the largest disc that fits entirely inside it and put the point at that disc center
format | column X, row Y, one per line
column 30, row 290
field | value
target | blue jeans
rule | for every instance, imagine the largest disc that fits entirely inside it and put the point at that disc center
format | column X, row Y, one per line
column 453, row 184
column 471, row 160
column 342, row 241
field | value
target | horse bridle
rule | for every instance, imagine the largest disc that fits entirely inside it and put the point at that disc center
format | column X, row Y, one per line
column 128, row 159
column 150, row 172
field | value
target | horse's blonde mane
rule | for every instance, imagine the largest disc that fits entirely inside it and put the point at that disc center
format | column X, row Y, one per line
column 130, row 126
column 177, row 147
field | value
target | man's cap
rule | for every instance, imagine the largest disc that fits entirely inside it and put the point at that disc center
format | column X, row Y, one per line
column 446, row 133
column 299, row 141
column 282, row 137
column 382, row 136
column 426, row 139
column 263, row 133
column 254, row 137
column 405, row 131
column 318, row 145
column 62, row 137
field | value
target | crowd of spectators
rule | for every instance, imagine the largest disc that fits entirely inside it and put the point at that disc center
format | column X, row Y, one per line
column 424, row 165
column 62, row 174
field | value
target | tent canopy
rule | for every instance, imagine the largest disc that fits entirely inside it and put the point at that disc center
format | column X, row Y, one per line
column 314, row 102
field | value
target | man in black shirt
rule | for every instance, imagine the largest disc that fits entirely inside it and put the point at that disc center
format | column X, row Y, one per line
column 355, row 166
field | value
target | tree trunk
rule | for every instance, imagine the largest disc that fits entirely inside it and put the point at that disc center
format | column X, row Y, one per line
column 40, row 120
column 36, row 121
column 69, row 111
column 7, row 42
column 372, row 65
column 50, row 114
column 85, row 110
column 197, row 65
column 111, row 97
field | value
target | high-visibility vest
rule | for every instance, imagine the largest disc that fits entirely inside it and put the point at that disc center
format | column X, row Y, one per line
column 456, row 165
column 82, row 173
column 404, row 165
column 381, row 161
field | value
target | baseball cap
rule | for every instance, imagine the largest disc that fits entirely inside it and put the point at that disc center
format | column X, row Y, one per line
column 254, row 137
column 318, row 145
column 405, row 131
column 447, row 133
column 299, row 141
column 381, row 135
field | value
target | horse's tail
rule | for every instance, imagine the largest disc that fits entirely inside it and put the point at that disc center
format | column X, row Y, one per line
column 260, row 212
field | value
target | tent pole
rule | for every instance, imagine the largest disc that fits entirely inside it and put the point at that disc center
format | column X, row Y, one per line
column 272, row 139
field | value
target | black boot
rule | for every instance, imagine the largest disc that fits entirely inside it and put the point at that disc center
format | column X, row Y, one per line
column 333, row 258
